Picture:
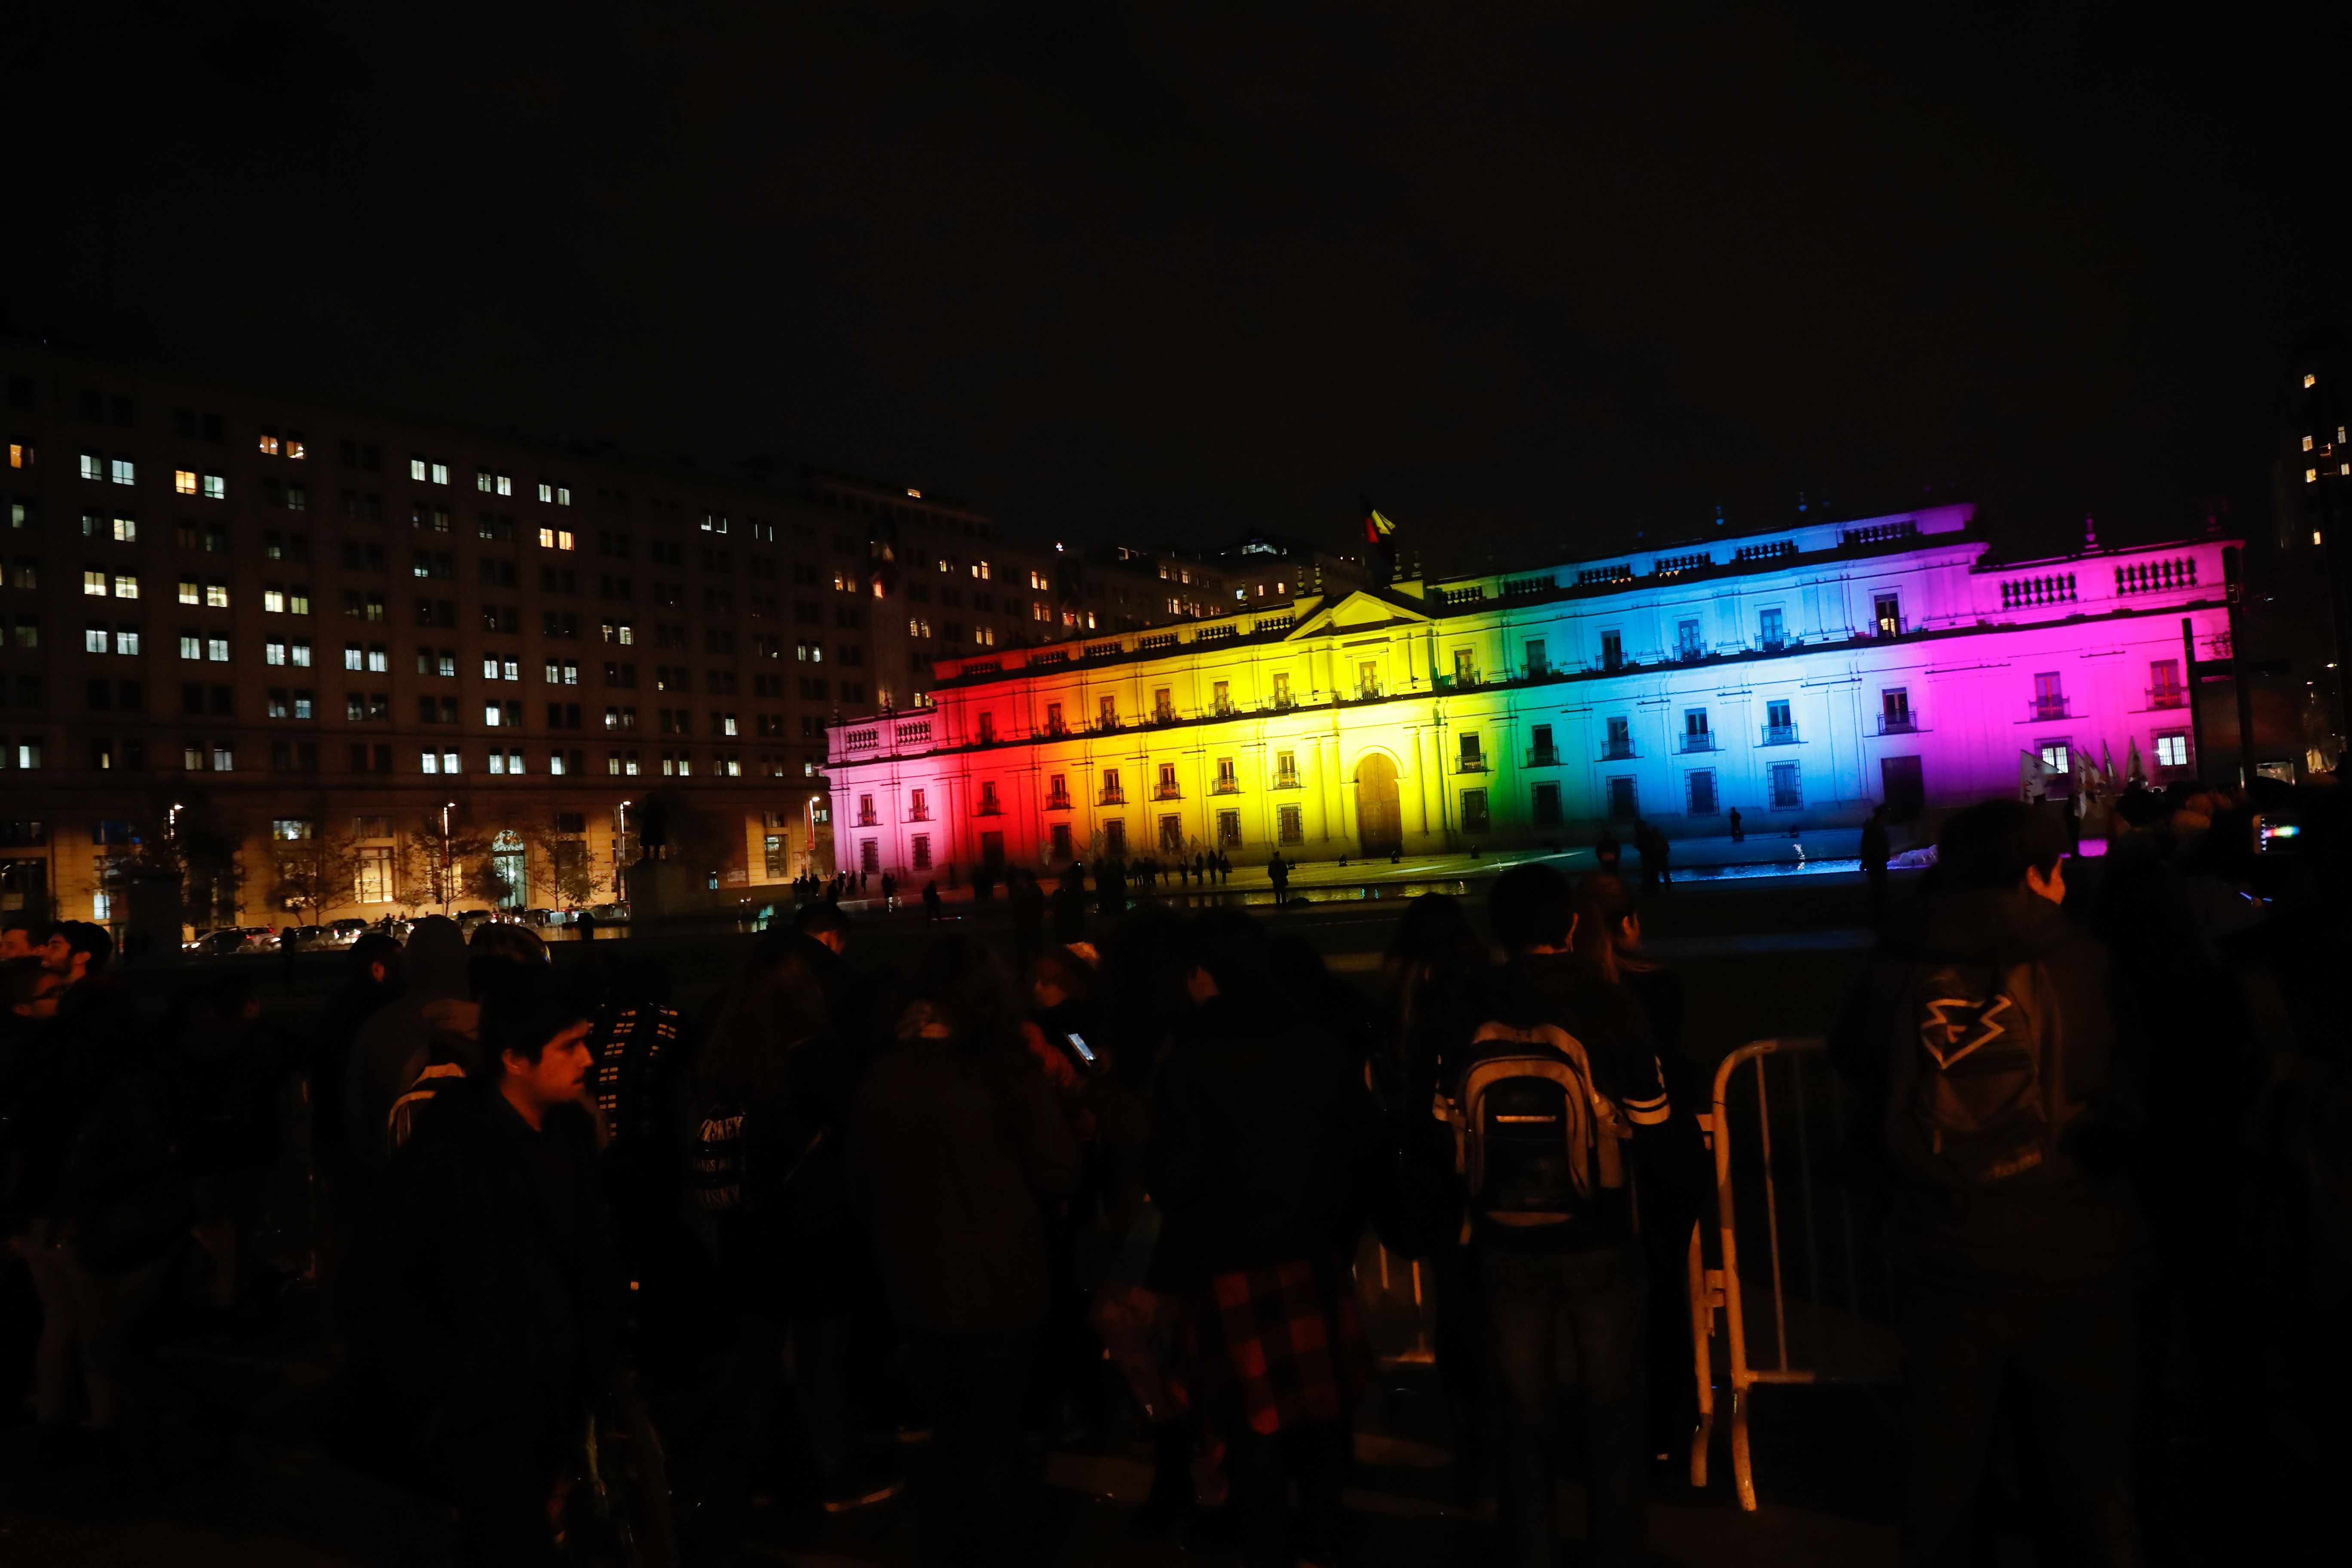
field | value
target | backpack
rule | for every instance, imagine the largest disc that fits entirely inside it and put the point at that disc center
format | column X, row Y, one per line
column 719, row 1160
column 1979, row 1085
column 1535, row 1141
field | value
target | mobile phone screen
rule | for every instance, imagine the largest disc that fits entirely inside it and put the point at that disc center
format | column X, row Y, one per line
column 1079, row 1041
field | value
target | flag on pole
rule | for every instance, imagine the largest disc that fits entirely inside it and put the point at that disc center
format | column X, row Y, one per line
column 2133, row 770
column 1381, row 534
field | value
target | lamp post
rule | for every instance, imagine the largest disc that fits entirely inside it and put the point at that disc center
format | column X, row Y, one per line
column 446, row 809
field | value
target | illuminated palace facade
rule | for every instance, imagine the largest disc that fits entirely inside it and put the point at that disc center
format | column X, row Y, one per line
column 1800, row 676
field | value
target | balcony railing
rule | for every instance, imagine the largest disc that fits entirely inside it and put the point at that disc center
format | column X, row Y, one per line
column 1225, row 786
column 1689, row 653
column 1474, row 763
column 1779, row 734
column 1772, row 644
column 1055, row 729
column 1222, row 708
column 868, row 819
column 2043, row 708
column 1544, row 757
column 1704, row 740
column 2167, row 697
column 1538, row 669
column 920, row 813
column 1618, row 752
column 1104, row 726
column 988, row 806
column 1282, row 702
column 1058, row 801
column 1286, row 780
column 1112, row 797
column 1167, row 791
column 1368, row 689
column 1163, row 715
column 1898, row 723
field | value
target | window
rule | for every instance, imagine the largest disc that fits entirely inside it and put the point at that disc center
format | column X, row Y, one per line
column 1538, row 661
column 2164, row 684
column 1290, row 824
column 1106, row 713
column 920, row 848
column 1465, row 668
column 1227, row 782
column 1282, row 689
column 1546, row 805
column 1167, row 788
column 1886, row 612
column 440, row 763
column 1788, row 789
column 1474, row 811
column 1613, row 650
column 2172, row 748
column 1624, row 799
column 1697, row 736
column 215, row 594
column 1895, row 710
column 555, row 539
column 1779, row 726
column 1473, row 755
column 1698, row 790
column 122, row 471
column 216, row 487
column 2049, row 696
column 1368, row 678
column 1769, row 632
column 1112, row 794
column 2058, row 761
column 1285, row 770
column 1686, row 642
column 1621, row 738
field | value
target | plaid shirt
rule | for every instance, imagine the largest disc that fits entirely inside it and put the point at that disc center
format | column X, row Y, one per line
column 1280, row 1346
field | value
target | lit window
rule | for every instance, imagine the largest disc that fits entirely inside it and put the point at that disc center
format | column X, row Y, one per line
column 351, row 655
column 268, row 443
column 216, row 487
column 482, row 480
column 294, row 447
column 2172, row 749
column 93, row 467
column 215, row 594
column 191, row 591
column 546, row 490
column 224, row 759
column 273, row 653
column 192, row 645
column 416, row 469
column 123, row 471
column 126, row 531
column 273, row 600
column 441, row 477
column 563, row 495
column 299, row 653
column 93, row 583
column 184, row 480
column 2310, row 380
column 505, row 485
column 2311, row 476
column 126, row 640
column 94, row 640
column 490, row 714
column 555, row 539
column 217, row 649
column 2306, row 443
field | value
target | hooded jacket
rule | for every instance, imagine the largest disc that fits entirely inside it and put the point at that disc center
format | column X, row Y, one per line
column 391, row 1048
column 2069, row 1224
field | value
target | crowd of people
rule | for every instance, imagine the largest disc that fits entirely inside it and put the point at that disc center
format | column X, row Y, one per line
column 1120, row 1184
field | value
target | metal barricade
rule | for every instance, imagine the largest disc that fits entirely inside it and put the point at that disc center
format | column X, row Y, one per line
column 1829, row 1292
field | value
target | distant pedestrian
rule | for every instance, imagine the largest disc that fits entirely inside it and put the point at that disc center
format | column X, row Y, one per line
column 931, row 900
column 1738, row 834
column 890, row 891
column 587, row 925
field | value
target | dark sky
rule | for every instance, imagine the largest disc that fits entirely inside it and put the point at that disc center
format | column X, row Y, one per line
column 1532, row 282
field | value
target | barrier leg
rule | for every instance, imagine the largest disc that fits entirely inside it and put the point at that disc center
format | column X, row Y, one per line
column 1702, row 1310
column 1742, row 1476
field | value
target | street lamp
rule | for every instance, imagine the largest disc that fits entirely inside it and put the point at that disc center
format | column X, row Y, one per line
column 446, row 807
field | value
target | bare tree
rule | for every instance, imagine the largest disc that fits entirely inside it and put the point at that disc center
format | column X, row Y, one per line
column 319, row 869
column 435, row 873
column 572, row 881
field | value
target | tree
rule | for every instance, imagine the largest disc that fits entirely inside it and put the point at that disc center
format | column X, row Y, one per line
column 433, row 874
column 318, row 866
column 572, row 881
column 674, row 827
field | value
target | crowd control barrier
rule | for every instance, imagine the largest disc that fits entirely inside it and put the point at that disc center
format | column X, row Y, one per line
column 1813, row 1303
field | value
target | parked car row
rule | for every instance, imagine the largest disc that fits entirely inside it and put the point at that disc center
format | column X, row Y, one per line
column 257, row 939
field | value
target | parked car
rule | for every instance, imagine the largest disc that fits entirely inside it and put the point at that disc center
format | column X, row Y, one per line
column 536, row 917
column 235, row 940
column 606, row 913
column 344, row 932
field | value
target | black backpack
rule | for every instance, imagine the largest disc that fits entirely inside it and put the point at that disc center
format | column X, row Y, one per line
column 1979, row 1085
column 1536, row 1143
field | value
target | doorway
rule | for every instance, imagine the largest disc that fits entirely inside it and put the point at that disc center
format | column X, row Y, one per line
column 510, row 863
column 1379, row 820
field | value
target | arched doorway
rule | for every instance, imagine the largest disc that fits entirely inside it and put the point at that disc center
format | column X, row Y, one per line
column 1380, row 821
column 509, row 859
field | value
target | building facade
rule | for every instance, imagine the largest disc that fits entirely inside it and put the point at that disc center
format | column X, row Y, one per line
column 278, row 630
column 1799, row 677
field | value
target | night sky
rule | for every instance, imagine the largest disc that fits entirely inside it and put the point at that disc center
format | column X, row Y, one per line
column 1166, row 273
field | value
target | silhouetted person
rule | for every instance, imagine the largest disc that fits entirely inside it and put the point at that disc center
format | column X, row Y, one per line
column 1876, row 851
column 1984, row 1044
column 1739, row 834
